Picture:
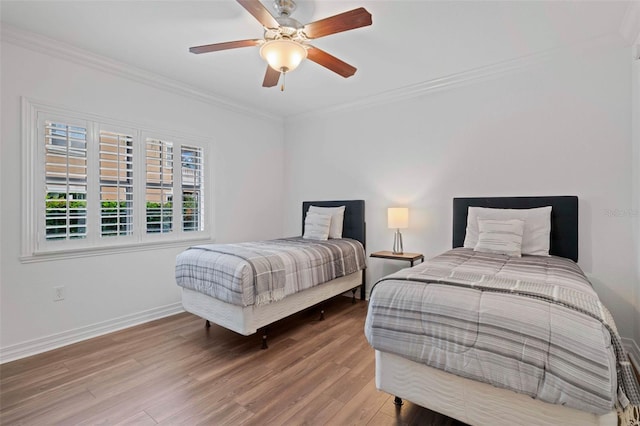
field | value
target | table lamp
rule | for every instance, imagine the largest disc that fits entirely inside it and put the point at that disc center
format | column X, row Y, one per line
column 397, row 218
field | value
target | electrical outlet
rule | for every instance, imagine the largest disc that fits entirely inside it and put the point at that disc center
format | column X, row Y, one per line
column 58, row 293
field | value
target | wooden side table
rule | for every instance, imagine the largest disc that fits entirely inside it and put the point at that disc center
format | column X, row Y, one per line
column 409, row 257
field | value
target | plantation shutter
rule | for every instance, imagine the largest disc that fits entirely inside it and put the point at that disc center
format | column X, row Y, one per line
column 94, row 184
column 192, row 190
column 116, row 184
column 159, row 186
column 65, row 181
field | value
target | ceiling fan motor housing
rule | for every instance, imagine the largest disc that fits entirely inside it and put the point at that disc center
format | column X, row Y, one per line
column 285, row 32
column 284, row 7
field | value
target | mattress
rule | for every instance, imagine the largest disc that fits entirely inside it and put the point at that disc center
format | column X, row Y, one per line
column 247, row 320
column 525, row 324
column 262, row 272
column 473, row 402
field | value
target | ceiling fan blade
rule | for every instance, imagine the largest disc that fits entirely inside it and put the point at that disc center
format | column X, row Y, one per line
column 271, row 77
column 328, row 61
column 224, row 46
column 350, row 20
column 255, row 8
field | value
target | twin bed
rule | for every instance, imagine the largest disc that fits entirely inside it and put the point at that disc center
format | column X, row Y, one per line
column 221, row 282
column 475, row 334
column 492, row 339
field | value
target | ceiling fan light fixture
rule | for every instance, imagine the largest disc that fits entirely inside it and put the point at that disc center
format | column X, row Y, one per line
column 283, row 55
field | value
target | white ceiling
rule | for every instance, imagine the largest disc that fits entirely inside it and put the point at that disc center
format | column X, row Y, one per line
column 410, row 42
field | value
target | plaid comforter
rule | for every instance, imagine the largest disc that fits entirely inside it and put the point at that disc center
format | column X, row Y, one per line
column 266, row 271
column 532, row 324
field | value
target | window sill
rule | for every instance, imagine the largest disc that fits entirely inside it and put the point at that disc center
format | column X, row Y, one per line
column 101, row 251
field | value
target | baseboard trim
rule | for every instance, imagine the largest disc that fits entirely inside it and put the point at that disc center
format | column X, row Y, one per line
column 53, row 341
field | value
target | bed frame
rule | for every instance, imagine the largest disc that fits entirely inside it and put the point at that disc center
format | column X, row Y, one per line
column 479, row 403
column 246, row 320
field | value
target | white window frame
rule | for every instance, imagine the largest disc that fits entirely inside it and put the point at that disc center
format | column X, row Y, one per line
column 35, row 247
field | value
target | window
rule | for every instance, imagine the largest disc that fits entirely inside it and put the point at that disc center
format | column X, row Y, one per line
column 116, row 184
column 191, row 188
column 94, row 184
column 159, row 189
column 65, row 204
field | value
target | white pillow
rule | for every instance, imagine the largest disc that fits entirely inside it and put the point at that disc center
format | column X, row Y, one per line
column 500, row 236
column 337, row 218
column 316, row 226
column 537, row 227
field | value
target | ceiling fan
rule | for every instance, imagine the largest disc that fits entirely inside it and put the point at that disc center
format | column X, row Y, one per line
column 286, row 41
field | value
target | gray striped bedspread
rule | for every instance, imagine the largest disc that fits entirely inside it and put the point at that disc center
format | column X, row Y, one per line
column 532, row 324
column 261, row 272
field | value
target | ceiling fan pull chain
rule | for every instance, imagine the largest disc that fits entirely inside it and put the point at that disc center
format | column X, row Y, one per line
column 284, row 77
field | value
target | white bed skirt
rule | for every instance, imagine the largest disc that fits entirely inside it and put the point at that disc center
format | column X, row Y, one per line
column 248, row 319
column 473, row 402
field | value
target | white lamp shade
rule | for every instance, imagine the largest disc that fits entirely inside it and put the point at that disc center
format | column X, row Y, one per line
column 283, row 55
column 398, row 217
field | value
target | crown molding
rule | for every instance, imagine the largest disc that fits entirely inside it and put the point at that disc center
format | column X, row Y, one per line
column 420, row 89
column 465, row 77
column 630, row 28
column 58, row 49
column 630, row 25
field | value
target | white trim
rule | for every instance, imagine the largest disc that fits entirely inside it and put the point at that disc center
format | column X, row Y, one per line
column 71, row 53
column 427, row 86
column 28, row 214
column 633, row 350
column 53, row 341
column 463, row 78
column 108, row 250
column 58, row 49
column 36, row 105
column 32, row 246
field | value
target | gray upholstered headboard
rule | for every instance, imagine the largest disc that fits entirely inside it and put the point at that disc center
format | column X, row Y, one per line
column 354, row 226
column 564, row 219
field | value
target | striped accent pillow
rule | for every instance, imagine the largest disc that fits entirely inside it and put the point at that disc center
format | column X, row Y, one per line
column 316, row 226
column 500, row 236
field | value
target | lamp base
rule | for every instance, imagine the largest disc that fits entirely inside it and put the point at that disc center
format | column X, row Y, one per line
column 397, row 243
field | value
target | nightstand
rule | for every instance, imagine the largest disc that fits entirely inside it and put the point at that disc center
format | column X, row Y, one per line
column 409, row 257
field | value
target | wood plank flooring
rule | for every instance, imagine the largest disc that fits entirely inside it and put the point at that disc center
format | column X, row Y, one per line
column 175, row 371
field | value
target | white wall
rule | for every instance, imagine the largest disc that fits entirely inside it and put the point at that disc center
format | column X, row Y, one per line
column 247, row 168
column 562, row 127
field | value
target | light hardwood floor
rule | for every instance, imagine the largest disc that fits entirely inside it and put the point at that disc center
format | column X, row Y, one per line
column 175, row 371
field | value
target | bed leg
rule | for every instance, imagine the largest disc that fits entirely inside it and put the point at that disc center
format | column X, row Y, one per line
column 397, row 401
column 353, row 296
column 321, row 314
column 207, row 324
column 264, row 339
